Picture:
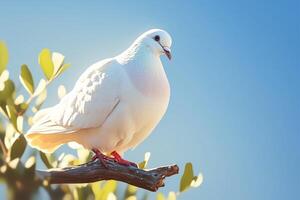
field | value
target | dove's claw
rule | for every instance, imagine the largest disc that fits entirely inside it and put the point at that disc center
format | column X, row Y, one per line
column 122, row 161
column 101, row 157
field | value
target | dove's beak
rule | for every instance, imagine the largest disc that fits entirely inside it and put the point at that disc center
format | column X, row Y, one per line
column 167, row 51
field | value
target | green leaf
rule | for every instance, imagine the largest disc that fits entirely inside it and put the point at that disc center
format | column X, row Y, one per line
column 19, row 99
column 3, row 110
column 45, row 160
column 61, row 91
column 30, row 162
column 96, row 188
column 41, row 87
column 7, row 86
column 63, row 68
column 46, row 63
column 160, row 196
column 143, row 164
column 197, row 181
column 130, row 191
column 83, row 155
column 3, row 56
column 30, row 165
column 187, row 177
column 8, row 90
column 172, row 196
column 18, row 148
column 66, row 160
column 26, row 79
column 12, row 115
column 110, row 186
column 13, row 164
column 58, row 61
column 21, row 108
column 10, row 135
column 20, row 120
column 102, row 191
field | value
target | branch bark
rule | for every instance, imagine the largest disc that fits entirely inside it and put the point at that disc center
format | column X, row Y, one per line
column 94, row 171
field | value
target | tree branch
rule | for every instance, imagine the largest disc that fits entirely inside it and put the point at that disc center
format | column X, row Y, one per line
column 94, row 171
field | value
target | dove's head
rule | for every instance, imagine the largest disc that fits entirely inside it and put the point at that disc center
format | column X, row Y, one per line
column 158, row 41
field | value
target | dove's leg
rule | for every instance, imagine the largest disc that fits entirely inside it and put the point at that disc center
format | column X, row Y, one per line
column 102, row 158
column 122, row 161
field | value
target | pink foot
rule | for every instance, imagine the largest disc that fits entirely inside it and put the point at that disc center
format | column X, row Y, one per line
column 100, row 156
column 122, row 161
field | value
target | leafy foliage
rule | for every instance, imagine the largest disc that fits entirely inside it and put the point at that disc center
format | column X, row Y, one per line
column 46, row 63
column 18, row 163
column 189, row 179
column 3, row 56
column 18, row 148
column 26, row 79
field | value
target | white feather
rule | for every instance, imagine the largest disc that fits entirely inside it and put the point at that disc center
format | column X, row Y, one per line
column 115, row 103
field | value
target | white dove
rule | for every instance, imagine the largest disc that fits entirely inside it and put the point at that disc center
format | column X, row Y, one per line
column 115, row 104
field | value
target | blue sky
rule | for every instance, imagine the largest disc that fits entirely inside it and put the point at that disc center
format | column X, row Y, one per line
column 235, row 103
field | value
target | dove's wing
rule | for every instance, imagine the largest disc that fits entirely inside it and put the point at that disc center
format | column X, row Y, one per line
column 93, row 98
column 88, row 105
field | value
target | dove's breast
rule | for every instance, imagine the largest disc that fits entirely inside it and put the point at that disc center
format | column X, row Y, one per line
column 147, row 94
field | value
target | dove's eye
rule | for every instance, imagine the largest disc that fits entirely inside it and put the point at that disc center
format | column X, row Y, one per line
column 157, row 38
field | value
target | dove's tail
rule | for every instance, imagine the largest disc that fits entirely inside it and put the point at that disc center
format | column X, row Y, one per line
column 46, row 135
column 46, row 143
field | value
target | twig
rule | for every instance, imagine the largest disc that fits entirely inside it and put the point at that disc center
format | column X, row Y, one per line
column 94, row 171
column 3, row 148
column 35, row 94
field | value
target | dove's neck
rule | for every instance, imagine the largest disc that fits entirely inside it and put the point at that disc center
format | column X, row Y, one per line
column 145, row 70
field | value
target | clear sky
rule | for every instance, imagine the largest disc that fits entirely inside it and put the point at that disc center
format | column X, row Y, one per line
column 235, row 77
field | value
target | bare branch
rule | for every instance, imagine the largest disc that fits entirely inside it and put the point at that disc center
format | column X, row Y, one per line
column 94, row 171
column 3, row 148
